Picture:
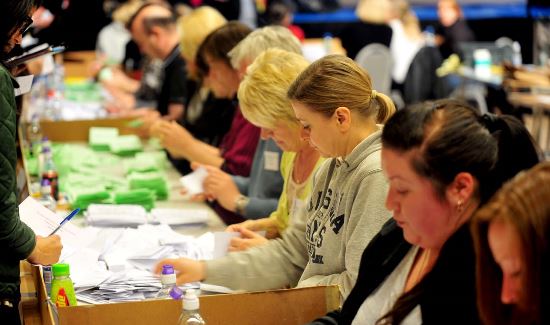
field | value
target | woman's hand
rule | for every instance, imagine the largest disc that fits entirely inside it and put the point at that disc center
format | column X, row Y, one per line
column 187, row 270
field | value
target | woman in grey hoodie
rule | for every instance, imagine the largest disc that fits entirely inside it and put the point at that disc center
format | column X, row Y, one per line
column 334, row 101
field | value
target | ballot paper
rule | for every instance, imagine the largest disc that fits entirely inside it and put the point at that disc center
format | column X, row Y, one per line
column 178, row 217
column 43, row 221
column 119, row 215
column 193, row 182
column 25, row 83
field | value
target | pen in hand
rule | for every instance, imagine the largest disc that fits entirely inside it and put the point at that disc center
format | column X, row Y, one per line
column 67, row 218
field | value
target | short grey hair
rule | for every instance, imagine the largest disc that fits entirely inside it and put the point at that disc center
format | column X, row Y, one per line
column 262, row 39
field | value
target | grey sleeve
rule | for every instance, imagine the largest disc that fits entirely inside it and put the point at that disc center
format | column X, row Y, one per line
column 242, row 183
column 275, row 265
column 367, row 216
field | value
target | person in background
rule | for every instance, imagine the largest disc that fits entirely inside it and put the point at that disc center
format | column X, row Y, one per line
column 443, row 161
column 262, row 95
column 206, row 117
column 235, row 153
column 511, row 236
column 153, row 28
column 280, row 12
column 112, row 39
column 372, row 27
column 452, row 29
column 240, row 198
column 334, row 101
column 406, row 39
column 17, row 240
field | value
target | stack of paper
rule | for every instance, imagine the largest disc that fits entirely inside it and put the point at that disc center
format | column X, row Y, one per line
column 82, row 197
column 154, row 181
column 109, row 215
column 177, row 217
column 100, row 138
column 146, row 162
column 126, row 145
column 142, row 196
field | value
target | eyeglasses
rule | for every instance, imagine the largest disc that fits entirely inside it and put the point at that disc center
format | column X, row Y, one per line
column 26, row 25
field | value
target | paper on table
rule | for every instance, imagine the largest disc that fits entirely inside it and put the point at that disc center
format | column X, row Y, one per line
column 193, row 182
column 44, row 221
column 174, row 217
column 25, row 83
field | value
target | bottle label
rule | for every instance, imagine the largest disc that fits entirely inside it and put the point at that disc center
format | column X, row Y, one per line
column 62, row 299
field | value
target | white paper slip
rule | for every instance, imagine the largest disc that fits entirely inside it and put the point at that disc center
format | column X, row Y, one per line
column 221, row 243
column 176, row 217
column 193, row 182
column 43, row 221
column 121, row 215
column 25, row 83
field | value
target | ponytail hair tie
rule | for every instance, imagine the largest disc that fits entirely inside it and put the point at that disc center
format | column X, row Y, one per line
column 373, row 94
column 490, row 121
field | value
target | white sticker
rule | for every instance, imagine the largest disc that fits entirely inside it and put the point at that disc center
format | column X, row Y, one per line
column 271, row 161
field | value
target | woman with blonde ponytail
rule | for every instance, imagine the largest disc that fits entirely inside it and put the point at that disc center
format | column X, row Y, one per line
column 339, row 115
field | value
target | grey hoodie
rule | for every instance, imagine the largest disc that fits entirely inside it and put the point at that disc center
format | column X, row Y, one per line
column 324, row 245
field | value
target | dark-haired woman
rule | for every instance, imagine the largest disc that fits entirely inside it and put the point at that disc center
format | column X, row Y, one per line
column 17, row 240
column 443, row 160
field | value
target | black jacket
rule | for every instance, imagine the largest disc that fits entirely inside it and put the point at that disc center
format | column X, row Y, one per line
column 449, row 295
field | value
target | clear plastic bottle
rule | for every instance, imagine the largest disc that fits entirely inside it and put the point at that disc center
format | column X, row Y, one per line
column 327, row 43
column 62, row 294
column 190, row 314
column 49, row 171
column 168, row 281
column 46, row 199
column 34, row 134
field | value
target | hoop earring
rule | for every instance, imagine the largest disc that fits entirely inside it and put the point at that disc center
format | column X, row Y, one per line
column 459, row 206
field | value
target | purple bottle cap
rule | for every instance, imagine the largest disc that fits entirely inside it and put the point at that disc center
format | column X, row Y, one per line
column 176, row 293
column 167, row 269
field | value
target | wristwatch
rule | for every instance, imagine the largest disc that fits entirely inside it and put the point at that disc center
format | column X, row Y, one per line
column 240, row 204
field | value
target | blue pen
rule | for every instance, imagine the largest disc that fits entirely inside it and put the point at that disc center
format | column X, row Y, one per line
column 67, row 218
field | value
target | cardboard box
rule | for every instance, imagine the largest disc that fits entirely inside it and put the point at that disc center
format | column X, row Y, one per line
column 287, row 306
column 34, row 300
column 67, row 131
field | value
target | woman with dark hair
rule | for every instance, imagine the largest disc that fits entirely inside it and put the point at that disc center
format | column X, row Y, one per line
column 443, row 160
column 511, row 235
column 17, row 240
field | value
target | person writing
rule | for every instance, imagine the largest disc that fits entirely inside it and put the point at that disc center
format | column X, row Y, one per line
column 17, row 240
column 511, row 241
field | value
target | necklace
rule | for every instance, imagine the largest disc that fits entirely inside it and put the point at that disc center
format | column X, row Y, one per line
column 304, row 162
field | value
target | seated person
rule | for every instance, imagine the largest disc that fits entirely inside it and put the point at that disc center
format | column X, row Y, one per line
column 452, row 29
column 443, row 161
column 372, row 27
column 235, row 153
column 262, row 95
column 511, row 240
column 239, row 198
column 334, row 101
column 153, row 28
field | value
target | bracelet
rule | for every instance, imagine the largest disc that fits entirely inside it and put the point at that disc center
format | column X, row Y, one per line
column 240, row 204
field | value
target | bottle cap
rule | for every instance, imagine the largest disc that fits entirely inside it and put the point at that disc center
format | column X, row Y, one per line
column 60, row 269
column 190, row 300
column 167, row 269
column 176, row 293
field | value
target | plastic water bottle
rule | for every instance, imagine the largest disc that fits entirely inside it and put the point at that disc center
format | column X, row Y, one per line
column 190, row 314
column 429, row 35
column 517, row 60
column 482, row 63
column 46, row 198
column 327, row 43
column 62, row 294
column 49, row 171
column 34, row 134
column 168, row 281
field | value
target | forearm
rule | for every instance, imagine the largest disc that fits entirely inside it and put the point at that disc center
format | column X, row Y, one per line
column 204, row 153
column 15, row 235
column 260, row 207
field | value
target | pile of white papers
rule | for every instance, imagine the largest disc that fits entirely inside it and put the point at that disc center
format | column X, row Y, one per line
column 111, row 215
column 177, row 217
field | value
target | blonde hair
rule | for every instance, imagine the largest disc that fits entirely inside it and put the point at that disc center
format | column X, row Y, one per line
column 123, row 13
column 337, row 81
column 403, row 12
column 263, row 91
column 373, row 11
column 262, row 39
column 194, row 28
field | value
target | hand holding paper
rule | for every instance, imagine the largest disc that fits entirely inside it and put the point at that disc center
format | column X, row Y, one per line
column 193, row 182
